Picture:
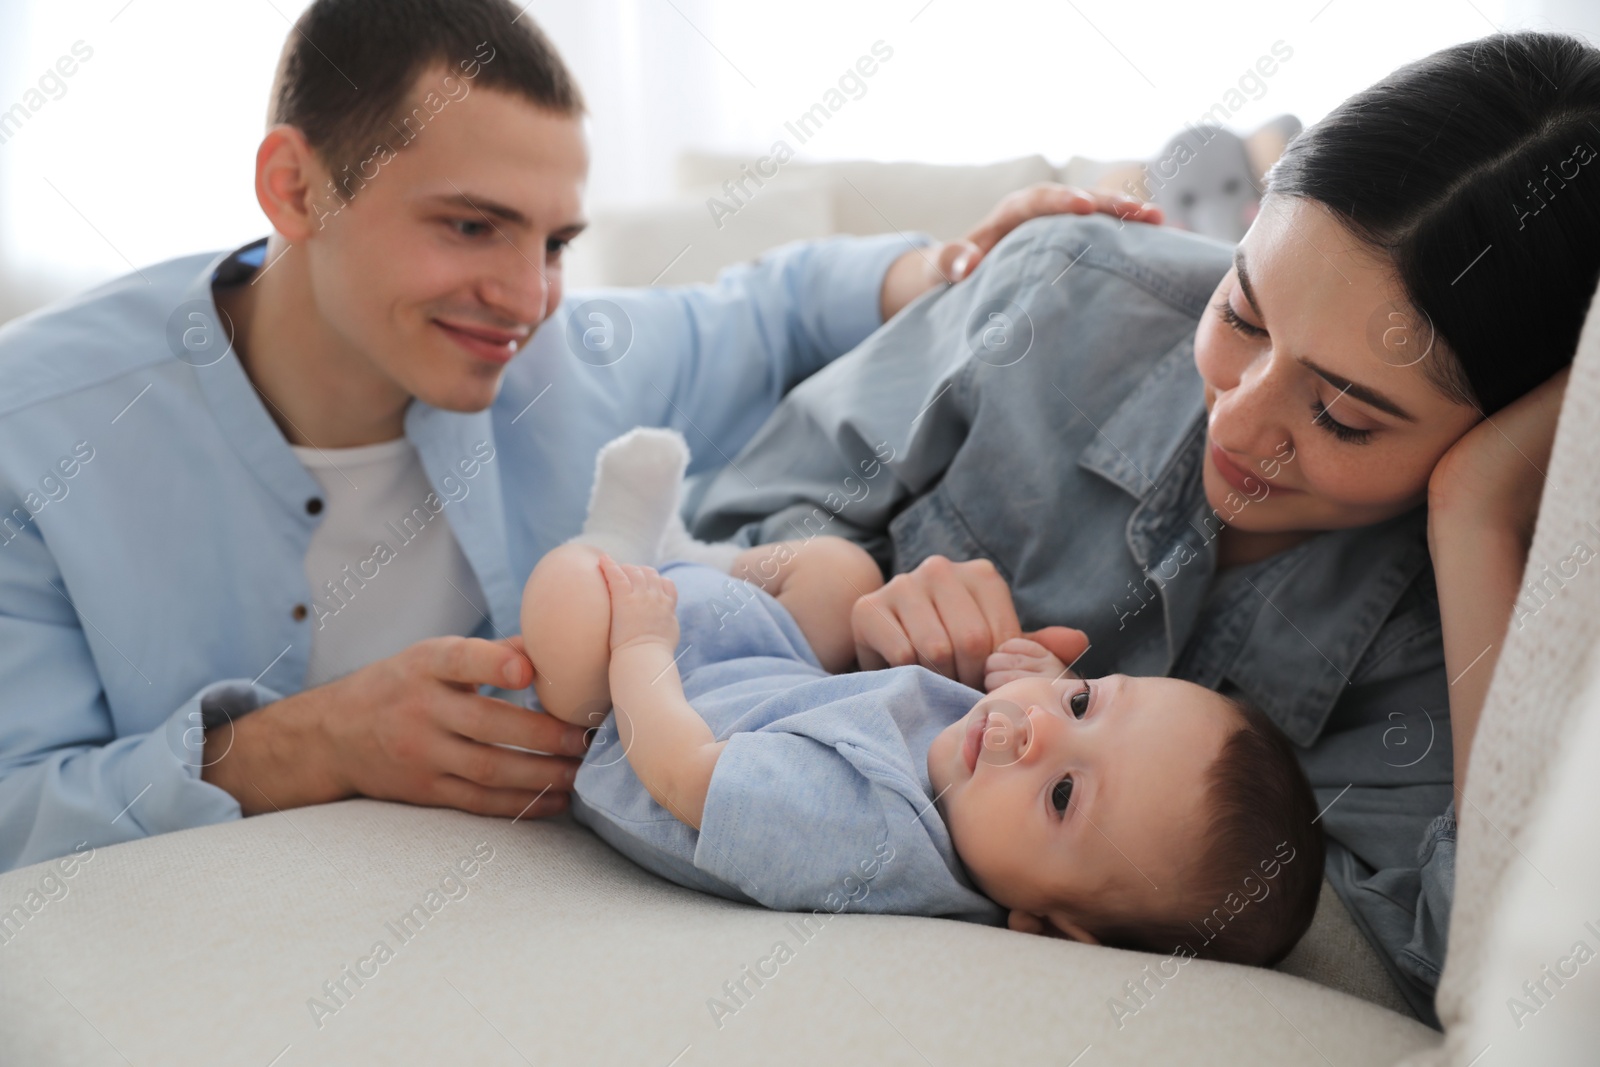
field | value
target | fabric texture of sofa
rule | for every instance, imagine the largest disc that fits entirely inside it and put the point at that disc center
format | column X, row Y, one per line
column 212, row 946
column 708, row 226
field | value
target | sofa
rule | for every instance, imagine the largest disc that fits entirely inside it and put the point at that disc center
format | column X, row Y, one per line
column 704, row 227
column 371, row 933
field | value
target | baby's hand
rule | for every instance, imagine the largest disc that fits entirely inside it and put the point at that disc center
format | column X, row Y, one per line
column 641, row 605
column 1020, row 657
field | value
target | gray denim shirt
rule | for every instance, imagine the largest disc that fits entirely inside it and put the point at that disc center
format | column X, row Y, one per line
column 1046, row 415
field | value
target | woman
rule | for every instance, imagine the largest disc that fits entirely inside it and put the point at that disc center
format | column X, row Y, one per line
column 1304, row 471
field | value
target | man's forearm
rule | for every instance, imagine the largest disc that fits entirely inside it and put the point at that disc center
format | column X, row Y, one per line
column 275, row 757
column 909, row 276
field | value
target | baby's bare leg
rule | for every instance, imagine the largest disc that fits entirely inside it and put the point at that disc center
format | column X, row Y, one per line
column 566, row 630
column 818, row 580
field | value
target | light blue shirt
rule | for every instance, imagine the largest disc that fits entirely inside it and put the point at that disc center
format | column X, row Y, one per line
column 154, row 522
column 820, row 800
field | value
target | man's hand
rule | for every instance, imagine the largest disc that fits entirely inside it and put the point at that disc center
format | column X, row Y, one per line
column 947, row 617
column 641, row 605
column 921, row 269
column 413, row 728
column 409, row 728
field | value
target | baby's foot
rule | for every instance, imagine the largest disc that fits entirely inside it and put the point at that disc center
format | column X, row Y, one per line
column 638, row 478
column 677, row 544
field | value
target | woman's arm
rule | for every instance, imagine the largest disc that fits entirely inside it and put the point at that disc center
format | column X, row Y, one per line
column 1483, row 501
column 1477, row 564
column 669, row 746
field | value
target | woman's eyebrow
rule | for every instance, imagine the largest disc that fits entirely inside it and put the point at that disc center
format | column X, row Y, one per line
column 1339, row 382
column 1360, row 392
column 1244, row 283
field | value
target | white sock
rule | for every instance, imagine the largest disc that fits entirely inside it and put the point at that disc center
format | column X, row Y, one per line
column 677, row 544
column 638, row 479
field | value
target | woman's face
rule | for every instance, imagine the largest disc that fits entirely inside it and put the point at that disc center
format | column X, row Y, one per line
column 1321, row 415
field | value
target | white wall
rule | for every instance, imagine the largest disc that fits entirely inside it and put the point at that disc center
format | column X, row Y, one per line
column 148, row 152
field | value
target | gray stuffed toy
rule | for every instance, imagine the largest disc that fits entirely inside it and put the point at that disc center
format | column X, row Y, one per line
column 1208, row 179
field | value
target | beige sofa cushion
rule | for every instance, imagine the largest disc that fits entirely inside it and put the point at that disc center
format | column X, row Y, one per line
column 207, row 946
column 1336, row 954
column 693, row 236
column 681, row 241
column 1533, row 700
column 1537, row 998
column 868, row 197
column 689, row 239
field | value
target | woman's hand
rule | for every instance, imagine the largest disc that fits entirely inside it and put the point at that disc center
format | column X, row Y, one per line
column 1494, row 475
column 947, row 617
column 921, row 269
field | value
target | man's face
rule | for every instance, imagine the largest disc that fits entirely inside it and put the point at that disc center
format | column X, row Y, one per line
column 441, row 267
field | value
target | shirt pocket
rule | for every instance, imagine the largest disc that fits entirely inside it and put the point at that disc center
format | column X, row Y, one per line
column 931, row 526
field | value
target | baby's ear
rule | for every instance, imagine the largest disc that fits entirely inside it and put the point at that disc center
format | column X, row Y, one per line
column 1027, row 923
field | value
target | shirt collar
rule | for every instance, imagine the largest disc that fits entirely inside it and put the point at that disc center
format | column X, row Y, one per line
column 237, row 266
column 1300, row 654
column 1309, row 614
column 445, row 440
column 196, row 336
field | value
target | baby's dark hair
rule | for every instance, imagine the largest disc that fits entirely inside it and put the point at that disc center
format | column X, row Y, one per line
column 1252, row 892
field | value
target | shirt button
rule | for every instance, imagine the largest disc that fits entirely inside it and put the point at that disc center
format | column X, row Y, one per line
column 299, row 612
column 314, row 505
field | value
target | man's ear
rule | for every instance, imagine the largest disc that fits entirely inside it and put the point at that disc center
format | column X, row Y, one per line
column 1050, row 926
column 287, row 172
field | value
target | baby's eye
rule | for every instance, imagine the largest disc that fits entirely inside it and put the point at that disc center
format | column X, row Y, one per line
column 1061, row 795
column 1079, row 702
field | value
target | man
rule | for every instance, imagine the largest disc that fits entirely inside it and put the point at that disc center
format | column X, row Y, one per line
column 224, row 585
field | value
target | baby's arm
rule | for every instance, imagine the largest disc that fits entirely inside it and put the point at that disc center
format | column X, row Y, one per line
column 668, row 744
column 1021, row 657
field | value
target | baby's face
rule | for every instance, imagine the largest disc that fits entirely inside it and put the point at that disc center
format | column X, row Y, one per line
column 1085, row 792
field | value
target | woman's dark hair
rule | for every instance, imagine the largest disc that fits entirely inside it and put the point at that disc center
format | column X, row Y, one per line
column 1477, row 170
column 348, row 73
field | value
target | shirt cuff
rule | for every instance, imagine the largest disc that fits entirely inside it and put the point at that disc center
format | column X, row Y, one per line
column 171, row 757
column 1423, row 956
column 852, row 285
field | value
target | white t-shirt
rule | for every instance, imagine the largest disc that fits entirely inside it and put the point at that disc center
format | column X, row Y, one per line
column 384, row 566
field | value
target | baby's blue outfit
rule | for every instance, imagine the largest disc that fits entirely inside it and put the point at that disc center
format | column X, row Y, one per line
column 820, row 800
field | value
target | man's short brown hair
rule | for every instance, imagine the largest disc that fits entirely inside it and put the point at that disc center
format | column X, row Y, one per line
column 348, row 68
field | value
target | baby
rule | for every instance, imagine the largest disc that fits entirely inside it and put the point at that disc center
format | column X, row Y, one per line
column 1147, row 813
